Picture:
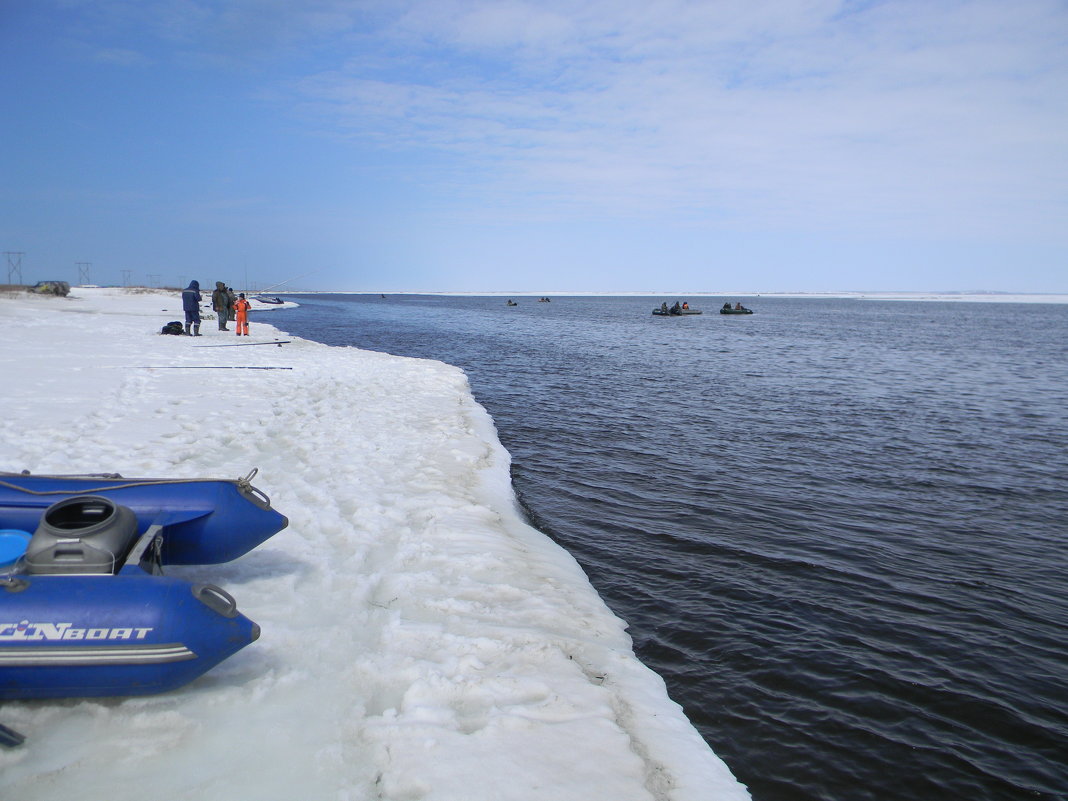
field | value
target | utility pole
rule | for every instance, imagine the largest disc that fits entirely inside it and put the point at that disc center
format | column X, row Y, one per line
column 83, row 271
column 14, row 266
column 125, row 278
column 153, row 280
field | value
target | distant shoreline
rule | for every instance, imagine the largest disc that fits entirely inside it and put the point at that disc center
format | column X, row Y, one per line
column 963, row 297
column 946, row 296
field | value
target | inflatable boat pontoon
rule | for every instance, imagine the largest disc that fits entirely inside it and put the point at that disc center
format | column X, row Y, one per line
column 203, row 521
column 85, row 609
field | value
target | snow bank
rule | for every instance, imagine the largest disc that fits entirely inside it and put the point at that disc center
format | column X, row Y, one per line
column 420, row 641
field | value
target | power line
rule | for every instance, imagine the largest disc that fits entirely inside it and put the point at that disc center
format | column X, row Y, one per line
column 14, row 266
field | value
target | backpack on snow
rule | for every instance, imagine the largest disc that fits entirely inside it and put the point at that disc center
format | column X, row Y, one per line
column 173, row 327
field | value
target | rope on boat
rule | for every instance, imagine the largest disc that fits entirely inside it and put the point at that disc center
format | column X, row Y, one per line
column 244, row 484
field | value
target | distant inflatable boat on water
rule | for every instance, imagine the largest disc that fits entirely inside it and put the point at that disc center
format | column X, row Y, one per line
column 743, row 310
column 674, row 312
column 85, row 609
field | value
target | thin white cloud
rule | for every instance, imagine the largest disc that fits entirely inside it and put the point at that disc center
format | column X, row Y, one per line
column 121, row 57
column 788, row 112
column 820, row 109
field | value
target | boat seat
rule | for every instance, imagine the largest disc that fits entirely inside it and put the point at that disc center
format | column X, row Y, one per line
column 86, row 534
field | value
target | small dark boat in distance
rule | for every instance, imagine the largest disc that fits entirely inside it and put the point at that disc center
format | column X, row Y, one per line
column 272, row 300
column 678, row 310
column 738, row 308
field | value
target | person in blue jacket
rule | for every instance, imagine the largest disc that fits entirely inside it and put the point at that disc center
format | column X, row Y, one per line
column 191, row 304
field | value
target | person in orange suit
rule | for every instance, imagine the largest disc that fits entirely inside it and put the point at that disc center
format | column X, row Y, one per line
column 241, row 307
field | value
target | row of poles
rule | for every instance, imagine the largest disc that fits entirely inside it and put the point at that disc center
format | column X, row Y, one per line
column 14, row 274
column 14, row 271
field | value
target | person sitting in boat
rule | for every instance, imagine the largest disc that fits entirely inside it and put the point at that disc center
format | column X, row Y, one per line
column 685, row 304
column 676, row 308
column 727, row 306
column 663, row 307
column 738, row 306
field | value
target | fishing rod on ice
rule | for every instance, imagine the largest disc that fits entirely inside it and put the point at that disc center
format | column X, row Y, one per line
column 283, row 283
column 9, row 738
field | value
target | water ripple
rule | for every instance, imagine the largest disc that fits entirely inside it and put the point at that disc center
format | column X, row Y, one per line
column 836, row 528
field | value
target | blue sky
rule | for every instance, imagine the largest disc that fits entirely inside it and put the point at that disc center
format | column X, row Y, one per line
column 608, row 145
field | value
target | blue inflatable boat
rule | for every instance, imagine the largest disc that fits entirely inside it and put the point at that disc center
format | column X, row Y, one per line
column 85, row 609
column 204, row 521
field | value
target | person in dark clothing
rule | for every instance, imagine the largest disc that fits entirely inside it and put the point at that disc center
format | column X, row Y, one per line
column 191, row 305
column 221, row 303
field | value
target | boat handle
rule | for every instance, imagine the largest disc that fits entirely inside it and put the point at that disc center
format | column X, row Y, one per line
column 216, row 599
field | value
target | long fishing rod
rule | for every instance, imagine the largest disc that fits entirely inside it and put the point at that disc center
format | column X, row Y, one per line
column 283, row 283
column 278, row 342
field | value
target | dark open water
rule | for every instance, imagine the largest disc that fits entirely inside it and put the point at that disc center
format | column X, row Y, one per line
column 837, row 528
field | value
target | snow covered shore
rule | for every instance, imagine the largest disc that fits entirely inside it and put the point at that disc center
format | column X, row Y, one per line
column 420, row 641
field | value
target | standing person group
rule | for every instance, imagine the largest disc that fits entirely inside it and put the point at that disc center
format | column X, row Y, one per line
column 226, row 305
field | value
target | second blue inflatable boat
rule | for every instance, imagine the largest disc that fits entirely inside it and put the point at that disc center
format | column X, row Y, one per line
column 202, row 521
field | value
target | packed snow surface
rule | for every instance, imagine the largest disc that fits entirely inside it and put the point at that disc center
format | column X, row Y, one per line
column 420, row 640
